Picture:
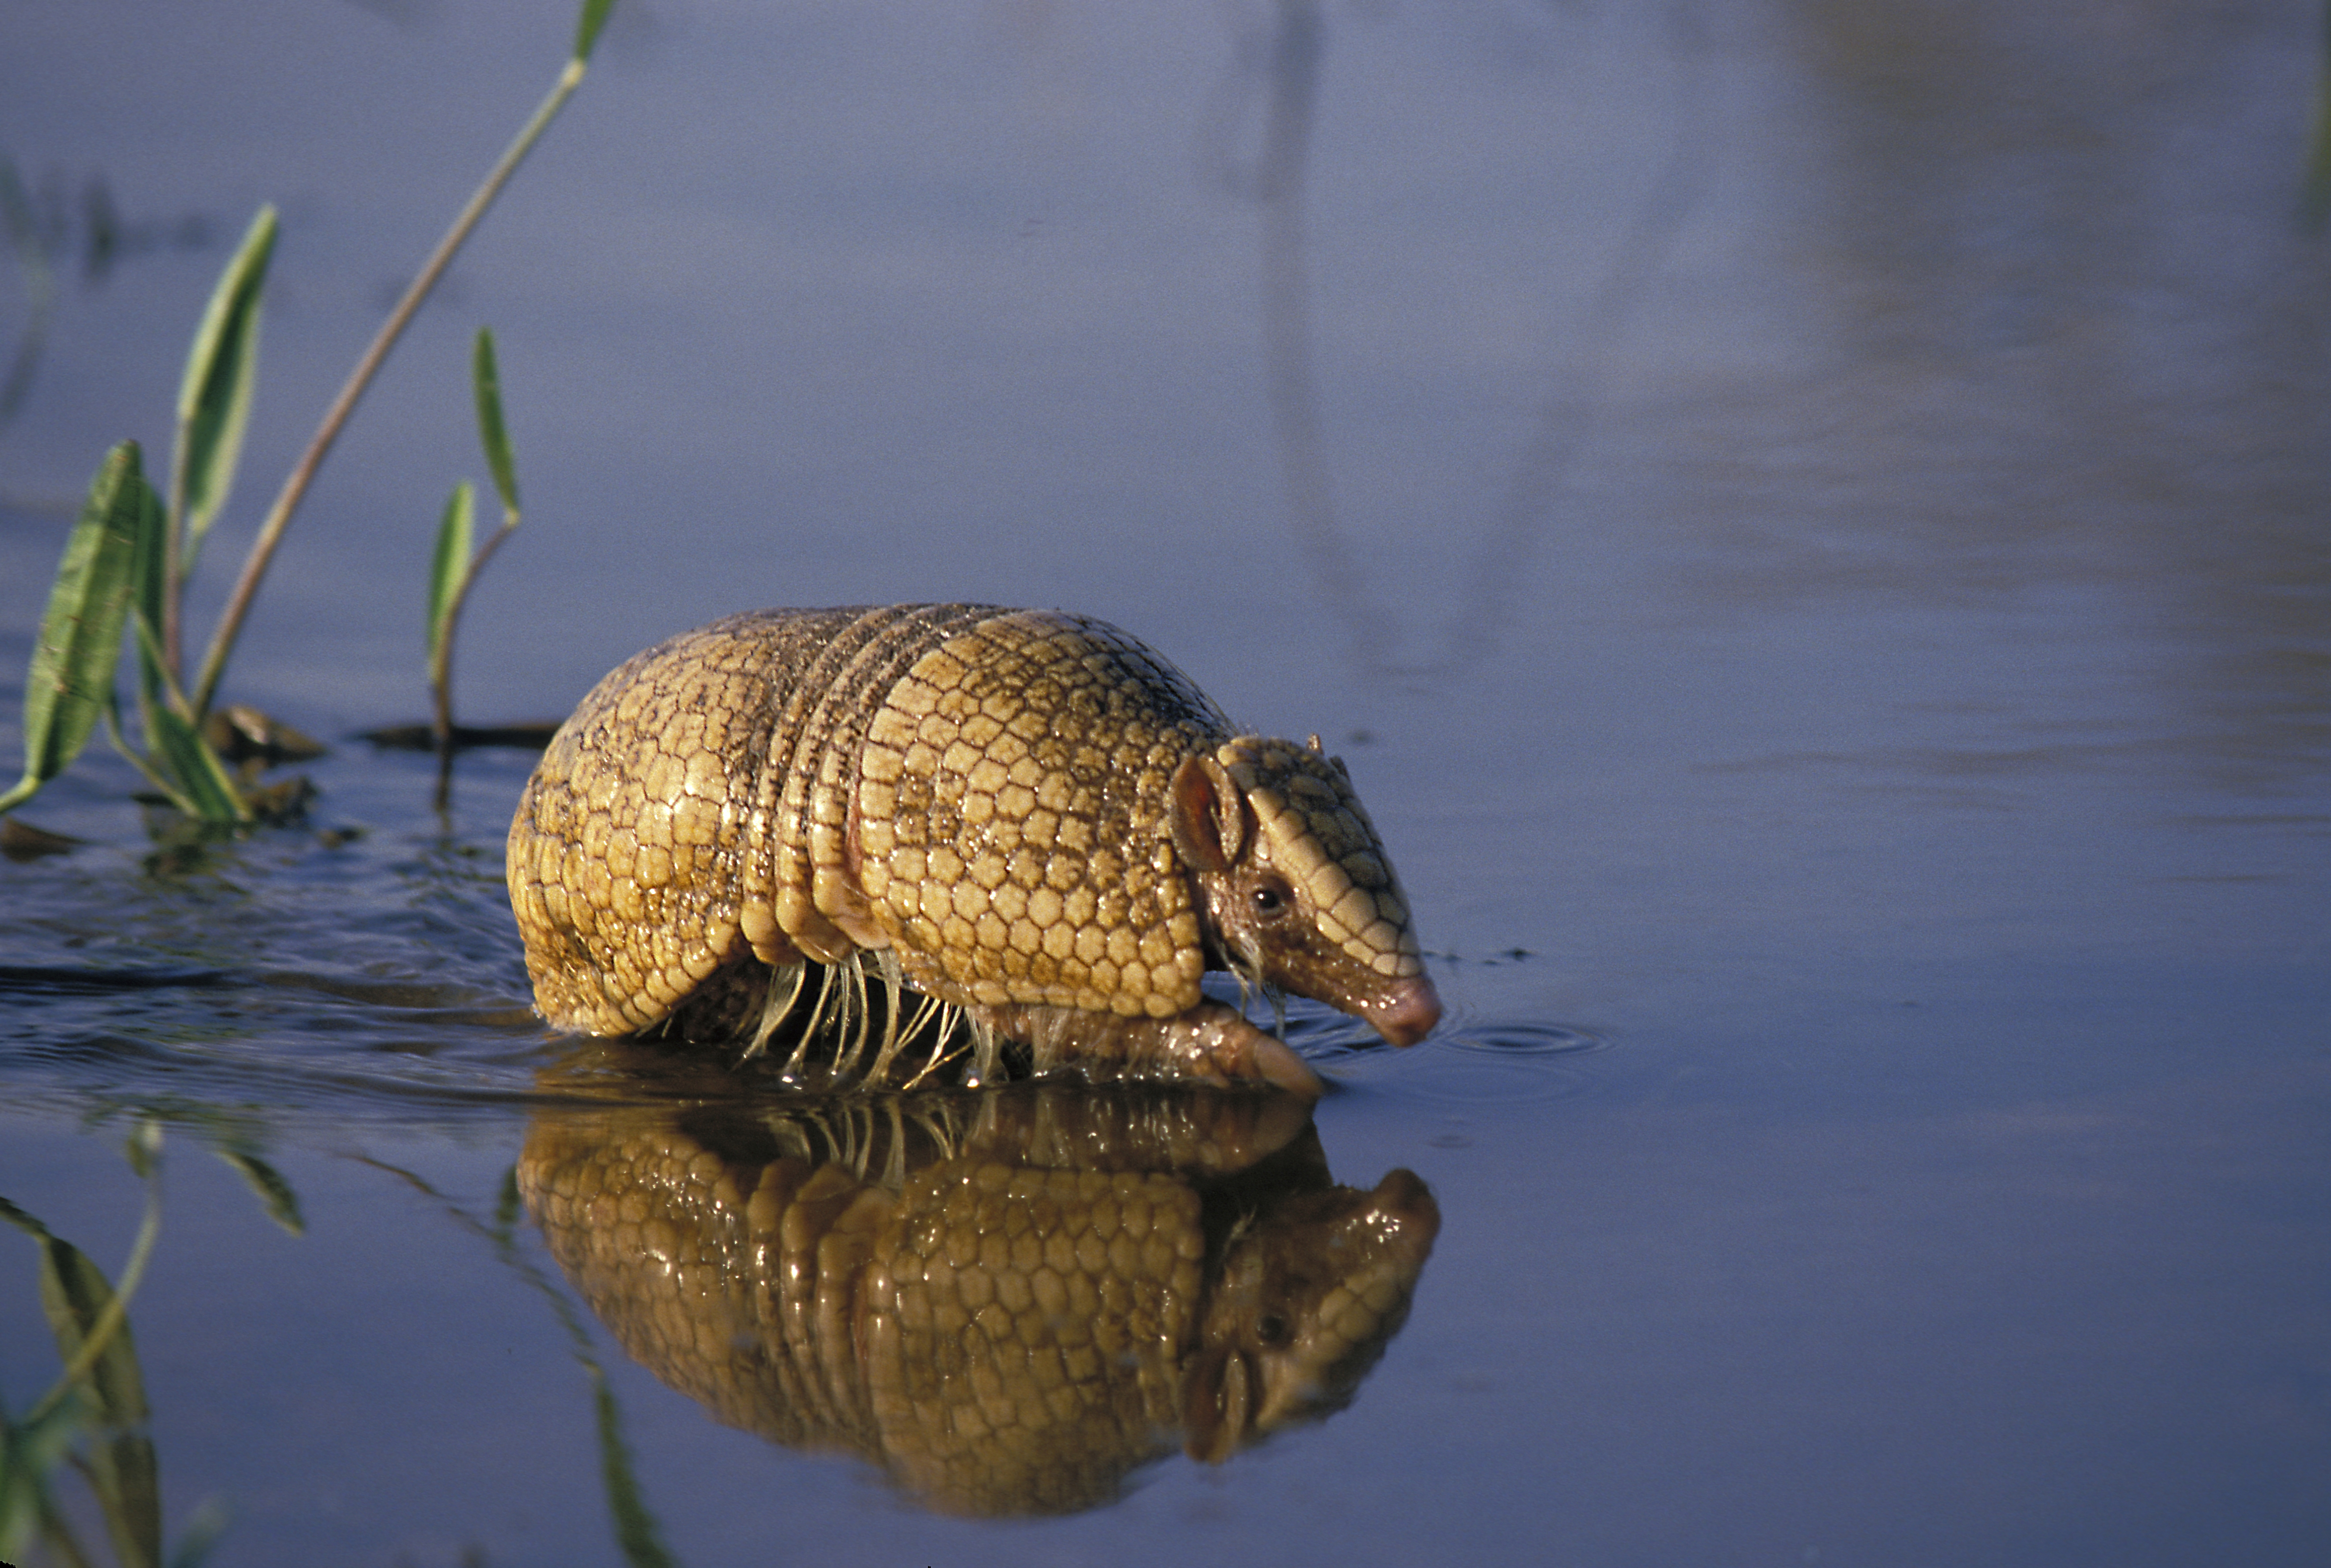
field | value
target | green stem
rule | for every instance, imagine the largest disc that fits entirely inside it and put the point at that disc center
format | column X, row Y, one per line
column 174, row 569
column 441, row 667
column 304, row 473
column 153, row 775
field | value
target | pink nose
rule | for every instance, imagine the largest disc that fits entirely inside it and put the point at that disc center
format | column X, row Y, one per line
column 1407, row 1011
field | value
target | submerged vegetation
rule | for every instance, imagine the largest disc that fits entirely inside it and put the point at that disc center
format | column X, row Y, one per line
column 94, row 1419
column 131, row 552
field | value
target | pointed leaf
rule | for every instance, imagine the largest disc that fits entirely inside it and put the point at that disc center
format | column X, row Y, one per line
column 70, row 681
column 76, row 1297
column 282, row 1202
column 586, row 27
column 182, row 759
column 149, row 574
column 509, row 1207
column 28, row 1453
column 188, row 758
column 214, row 399
column 450, row 566
column 492, row 433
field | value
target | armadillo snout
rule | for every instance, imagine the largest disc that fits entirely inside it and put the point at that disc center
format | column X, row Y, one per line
column 1406, row 1011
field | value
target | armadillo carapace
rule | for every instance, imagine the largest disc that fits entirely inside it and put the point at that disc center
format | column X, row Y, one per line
column 1026, row 815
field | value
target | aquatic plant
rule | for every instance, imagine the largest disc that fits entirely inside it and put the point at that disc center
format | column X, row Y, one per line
column 455, row 563
column 94, row 1419
column 130, row 554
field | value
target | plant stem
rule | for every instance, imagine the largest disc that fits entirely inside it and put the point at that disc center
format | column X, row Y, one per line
column 303, row 473
column 441, row 672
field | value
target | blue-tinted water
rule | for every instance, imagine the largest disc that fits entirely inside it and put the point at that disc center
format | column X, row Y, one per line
column 1808, row 526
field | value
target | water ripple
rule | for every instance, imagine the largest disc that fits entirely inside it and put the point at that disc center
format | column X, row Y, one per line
column 1477, row 1061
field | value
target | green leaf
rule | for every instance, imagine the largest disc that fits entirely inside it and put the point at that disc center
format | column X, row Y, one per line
column 282, row 1202
column 509, row 1207
column 188, row 758
column 492, row 433
column 587, row 29
column 28, row 1453
column 148, row 589
column 214, row 399
column 449, row 566
column 70, row 682
column 76, row 1297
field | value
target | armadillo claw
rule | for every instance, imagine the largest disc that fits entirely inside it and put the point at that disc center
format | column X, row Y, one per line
column 1210, row 1042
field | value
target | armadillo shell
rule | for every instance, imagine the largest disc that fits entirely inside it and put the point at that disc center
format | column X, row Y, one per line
column 982, row 790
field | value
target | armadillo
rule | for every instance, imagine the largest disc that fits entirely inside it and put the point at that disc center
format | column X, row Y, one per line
column 1026, row 815
column 1008, row 1301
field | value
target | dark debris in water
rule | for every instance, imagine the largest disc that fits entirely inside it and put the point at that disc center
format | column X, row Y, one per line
column 239, row 734
column 530, row 737
column 20, row 840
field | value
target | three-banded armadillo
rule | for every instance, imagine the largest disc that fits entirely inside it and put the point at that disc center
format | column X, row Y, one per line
column 1026, row 815
column 1006, row 1301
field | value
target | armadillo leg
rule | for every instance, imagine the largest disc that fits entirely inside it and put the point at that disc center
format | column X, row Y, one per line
column 1210, row 1042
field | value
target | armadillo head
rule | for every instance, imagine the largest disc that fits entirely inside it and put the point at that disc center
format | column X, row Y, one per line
column 1296, row 887
column 1305, row 1300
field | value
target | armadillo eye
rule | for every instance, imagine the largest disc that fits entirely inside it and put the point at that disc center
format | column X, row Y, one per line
column 1272, row 898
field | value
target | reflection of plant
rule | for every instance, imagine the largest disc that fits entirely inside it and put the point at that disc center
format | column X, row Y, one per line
column 128, row 558
column 638, row 1534
column 2315, row 191
column 94, row 1417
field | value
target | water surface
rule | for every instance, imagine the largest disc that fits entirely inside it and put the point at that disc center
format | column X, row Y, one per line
column 1808, row 526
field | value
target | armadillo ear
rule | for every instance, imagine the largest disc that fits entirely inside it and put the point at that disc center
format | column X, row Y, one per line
column 1207, row 815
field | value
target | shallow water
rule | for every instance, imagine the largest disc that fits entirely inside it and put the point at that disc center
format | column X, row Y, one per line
column 1808, row 526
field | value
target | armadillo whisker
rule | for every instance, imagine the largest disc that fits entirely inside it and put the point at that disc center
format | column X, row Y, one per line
column 825, row 987
column 983, row 1052
column 853, row 1021
column 773, row 1012
column 941, row 1019
column 893, row 985
column 894, row 1169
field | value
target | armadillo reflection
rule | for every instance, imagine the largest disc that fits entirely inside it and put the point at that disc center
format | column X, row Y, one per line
column 1028, row 816
column 1006, row 1302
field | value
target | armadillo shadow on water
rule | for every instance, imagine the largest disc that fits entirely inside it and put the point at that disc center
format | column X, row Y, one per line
column 1034, row 832
column 1006, row 1301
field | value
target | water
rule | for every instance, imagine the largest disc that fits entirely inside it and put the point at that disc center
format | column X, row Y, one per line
column 1808, row 526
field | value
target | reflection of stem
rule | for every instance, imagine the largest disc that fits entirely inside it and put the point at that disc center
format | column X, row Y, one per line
column 295, row 488
column 1293, row 63
column 637, row 1533
column 2314, row 190
column 40, row 290
column 1297, row 47
column 1569, row 413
